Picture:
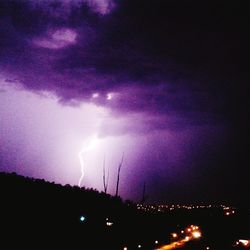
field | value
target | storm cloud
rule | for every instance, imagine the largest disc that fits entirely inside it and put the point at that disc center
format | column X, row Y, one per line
column 173, row 66
column 177, row 60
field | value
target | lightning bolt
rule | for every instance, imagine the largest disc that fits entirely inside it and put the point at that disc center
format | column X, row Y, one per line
column 81, row 155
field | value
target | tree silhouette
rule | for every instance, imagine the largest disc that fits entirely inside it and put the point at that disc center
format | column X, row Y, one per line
column 118, row 175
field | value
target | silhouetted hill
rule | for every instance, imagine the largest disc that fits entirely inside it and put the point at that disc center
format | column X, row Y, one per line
column 38, row 214
column 33, row 209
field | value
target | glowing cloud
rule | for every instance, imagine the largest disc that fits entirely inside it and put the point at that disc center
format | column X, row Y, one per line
column 109, row 96
column 57, row 39
column 101, row 6
column 95, row 95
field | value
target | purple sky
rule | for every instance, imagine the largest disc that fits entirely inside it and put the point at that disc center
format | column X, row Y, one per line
column 162, row 81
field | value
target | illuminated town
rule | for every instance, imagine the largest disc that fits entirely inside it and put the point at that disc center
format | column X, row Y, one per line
column 228, row 210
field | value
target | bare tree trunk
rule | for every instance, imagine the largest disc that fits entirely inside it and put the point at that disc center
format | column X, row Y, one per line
column 118, row 175
column 105, row 181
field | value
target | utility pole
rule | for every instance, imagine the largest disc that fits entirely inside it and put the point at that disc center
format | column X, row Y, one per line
column 118, row 175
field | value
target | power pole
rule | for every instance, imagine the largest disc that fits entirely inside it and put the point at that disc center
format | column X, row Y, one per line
column 118, row 175
column 105, row 180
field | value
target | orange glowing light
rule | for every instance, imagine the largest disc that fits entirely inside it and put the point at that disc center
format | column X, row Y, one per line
column 245, row 242
column 196, row 234
column 174, row 235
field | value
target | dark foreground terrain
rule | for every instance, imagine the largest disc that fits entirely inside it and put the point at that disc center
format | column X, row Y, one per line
column 37, row 214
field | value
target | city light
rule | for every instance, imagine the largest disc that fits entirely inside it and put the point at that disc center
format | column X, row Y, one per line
column 188, row 234
column 245, row 242
column 109, row 224
column 180, row 238
column 82, row 218
column 175, row 235
column 196, row 234
column 168, row 207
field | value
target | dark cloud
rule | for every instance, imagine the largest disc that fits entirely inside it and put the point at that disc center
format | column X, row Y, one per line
column 165, row 58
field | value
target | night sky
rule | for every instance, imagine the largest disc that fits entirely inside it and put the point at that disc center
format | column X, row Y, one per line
column 166, row 82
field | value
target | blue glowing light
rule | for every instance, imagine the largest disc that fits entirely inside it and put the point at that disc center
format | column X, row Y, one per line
column 82, row 218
